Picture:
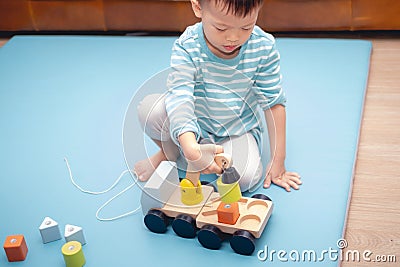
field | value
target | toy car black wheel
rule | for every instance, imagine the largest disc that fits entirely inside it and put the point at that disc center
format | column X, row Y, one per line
column 210, row 237
column 261, row 196
column 243, row 242
column 156, row 221
column 184, row 226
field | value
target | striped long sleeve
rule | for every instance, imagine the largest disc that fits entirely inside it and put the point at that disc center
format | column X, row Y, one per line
column 216, row 98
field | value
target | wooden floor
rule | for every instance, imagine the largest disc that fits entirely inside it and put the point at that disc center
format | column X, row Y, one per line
column 374, row 216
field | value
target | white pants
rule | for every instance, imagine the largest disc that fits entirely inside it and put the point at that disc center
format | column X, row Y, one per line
column 244, row 149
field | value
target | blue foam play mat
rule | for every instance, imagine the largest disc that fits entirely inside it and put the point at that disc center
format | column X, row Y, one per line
column 66, row 96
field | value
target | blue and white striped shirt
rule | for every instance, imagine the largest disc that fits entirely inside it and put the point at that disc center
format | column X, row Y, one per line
column 218, row 98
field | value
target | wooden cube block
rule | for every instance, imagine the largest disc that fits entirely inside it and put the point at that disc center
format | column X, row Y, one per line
column 228, row 213
column 15, row 248
column 49, row 230
column 74, row 233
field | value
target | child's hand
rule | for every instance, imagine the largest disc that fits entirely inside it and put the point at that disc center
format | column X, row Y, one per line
column 201, row 158
column 277, row 174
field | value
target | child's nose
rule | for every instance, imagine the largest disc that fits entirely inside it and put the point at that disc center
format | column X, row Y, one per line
column 232, row 36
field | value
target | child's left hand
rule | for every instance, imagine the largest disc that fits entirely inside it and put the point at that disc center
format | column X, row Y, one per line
column 277, row 174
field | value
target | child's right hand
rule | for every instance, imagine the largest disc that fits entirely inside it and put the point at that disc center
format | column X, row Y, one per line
column 200, row 157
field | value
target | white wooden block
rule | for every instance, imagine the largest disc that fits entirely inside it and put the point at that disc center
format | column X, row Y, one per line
column 49, row 230
column 74, row 233
column 160, row 186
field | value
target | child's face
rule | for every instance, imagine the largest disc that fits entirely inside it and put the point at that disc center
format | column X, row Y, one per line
column 225, row 32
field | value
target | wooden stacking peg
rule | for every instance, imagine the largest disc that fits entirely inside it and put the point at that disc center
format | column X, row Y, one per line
column 73, row 254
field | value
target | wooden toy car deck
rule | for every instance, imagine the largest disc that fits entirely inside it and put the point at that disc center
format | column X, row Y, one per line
column 254, row 214
column 174, row 206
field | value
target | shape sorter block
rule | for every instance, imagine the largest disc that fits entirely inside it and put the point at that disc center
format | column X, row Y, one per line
column 160, row 186
column 15, row 248
column 74, row 233
column 73, row 254
column 228, row 213
column 49, row 230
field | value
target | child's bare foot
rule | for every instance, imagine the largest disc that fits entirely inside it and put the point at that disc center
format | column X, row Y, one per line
column 145, row 168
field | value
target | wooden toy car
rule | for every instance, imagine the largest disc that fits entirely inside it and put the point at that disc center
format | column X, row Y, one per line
column 161, row 205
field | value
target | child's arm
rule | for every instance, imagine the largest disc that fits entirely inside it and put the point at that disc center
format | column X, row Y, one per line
column 201, row 156
column 276, row 172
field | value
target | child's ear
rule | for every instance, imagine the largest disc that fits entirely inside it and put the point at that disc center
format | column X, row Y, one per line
column 196, row 8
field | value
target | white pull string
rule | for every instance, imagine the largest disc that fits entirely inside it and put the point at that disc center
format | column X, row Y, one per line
column 105, row 191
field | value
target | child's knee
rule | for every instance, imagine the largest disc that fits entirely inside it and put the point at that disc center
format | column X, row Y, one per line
column 152, row 115
column 151, row 106
column 250, row 177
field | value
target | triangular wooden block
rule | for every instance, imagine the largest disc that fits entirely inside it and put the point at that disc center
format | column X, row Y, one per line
column 74, row 233
column 49, row 230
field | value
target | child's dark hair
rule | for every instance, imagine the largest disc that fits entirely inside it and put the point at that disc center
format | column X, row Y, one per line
column 238, row 7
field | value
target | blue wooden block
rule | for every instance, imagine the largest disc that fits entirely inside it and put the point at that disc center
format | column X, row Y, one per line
column 74, row 233
column 49, row 230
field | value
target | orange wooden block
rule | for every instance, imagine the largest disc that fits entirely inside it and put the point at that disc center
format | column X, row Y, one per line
column 228, row 213
column 15, row 248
